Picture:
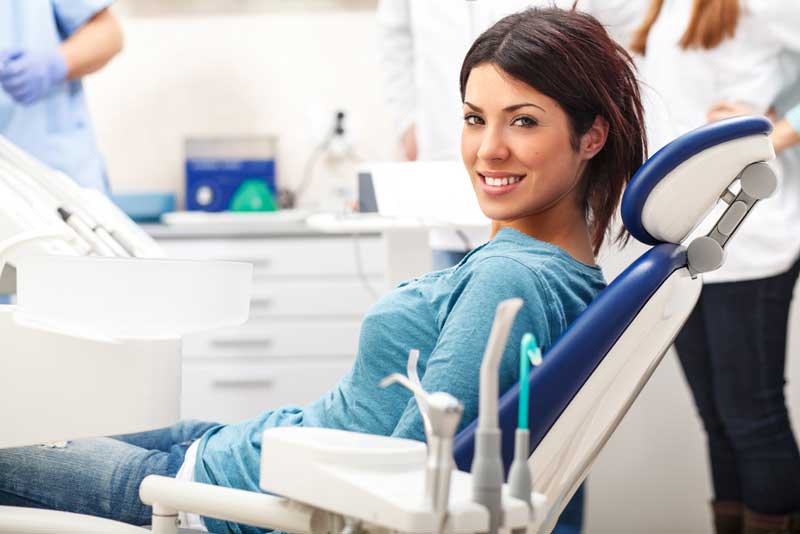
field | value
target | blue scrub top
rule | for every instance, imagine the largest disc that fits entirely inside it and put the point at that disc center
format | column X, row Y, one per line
column 57, row 129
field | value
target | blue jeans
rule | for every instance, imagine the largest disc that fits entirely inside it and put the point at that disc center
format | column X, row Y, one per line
column 97, row 476
column 733, row 353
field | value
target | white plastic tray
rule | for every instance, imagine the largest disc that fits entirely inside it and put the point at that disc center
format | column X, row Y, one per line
column 134, row 298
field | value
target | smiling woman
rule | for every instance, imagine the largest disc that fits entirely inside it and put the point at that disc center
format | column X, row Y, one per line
column 553, row 131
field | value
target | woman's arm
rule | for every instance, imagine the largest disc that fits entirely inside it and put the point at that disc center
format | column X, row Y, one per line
column 92, row 45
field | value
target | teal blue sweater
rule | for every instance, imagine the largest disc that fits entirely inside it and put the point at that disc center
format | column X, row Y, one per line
column 447, row 315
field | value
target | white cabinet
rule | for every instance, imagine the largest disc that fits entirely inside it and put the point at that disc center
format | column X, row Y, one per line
column 310, row 292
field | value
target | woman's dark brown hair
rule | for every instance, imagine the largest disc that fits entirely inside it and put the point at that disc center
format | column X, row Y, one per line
column 711, row 23
column 569, row 56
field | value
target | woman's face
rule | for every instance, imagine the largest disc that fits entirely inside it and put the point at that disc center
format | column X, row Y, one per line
column 516, row 146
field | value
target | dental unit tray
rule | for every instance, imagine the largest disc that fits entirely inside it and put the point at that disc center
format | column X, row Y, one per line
column 374, row 479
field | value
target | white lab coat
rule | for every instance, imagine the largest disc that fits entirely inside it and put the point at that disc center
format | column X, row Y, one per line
column 758, row 66
column 423, row 44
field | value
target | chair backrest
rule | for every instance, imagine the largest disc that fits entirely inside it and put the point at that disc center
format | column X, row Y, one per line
column 593, row 373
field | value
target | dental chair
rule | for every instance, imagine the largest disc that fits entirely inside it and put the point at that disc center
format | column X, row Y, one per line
column 324, row 481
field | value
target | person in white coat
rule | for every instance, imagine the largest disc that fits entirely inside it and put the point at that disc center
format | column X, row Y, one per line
column 701, row 59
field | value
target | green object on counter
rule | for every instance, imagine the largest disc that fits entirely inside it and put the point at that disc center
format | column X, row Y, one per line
column 253, row 195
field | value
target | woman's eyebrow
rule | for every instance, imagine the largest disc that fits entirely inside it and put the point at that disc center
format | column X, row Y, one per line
column 515, row 107
column 509, row 109
column 473, row 107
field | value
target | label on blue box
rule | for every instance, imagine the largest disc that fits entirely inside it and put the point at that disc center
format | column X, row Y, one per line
column 213, row 184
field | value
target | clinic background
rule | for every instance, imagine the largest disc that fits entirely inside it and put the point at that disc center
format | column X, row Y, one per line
column 283, row 67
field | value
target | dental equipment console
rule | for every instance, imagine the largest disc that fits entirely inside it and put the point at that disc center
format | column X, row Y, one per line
column 93, row 347
column 329, row 481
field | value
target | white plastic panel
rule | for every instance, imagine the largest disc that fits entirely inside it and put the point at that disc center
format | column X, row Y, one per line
column 680, row 201
column 134, row 298
column 563, row 458
column 313, row 298
column 277, row 339
column 232, row 393
column 58, row 386
column 296, row 256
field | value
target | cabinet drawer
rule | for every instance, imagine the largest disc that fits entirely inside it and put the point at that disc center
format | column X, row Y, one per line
column 277, row 339
column 230, row 393
column 313, row 298
column 297, row 256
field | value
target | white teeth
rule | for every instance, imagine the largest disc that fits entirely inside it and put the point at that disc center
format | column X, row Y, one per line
column 497, row 182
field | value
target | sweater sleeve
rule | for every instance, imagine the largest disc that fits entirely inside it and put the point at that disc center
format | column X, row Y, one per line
column 454, row 364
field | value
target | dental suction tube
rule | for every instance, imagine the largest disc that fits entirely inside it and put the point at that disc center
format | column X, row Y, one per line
column 487, row 464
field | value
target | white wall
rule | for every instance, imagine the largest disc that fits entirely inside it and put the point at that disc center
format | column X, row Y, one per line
column 281, row 72
column 285, row 72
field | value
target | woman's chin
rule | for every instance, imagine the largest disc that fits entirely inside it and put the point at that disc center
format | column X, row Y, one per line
column 497, row 214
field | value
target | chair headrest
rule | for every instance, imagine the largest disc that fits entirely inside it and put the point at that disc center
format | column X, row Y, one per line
column 680, row 184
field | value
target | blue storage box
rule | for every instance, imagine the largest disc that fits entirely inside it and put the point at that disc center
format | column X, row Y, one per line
column 231, row 174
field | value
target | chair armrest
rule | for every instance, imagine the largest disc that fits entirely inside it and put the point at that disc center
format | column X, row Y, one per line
column 167, row 496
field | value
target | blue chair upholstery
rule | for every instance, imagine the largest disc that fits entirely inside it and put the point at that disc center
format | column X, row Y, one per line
column 576, row 354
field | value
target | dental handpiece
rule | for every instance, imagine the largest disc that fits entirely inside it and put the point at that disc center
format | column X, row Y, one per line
column 112, row 243
column 84, row 231
column 444, row 413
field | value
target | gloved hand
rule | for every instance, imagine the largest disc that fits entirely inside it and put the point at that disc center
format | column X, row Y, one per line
column 27, row 76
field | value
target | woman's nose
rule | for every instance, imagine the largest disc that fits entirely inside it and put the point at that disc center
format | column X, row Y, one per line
column 493, row 145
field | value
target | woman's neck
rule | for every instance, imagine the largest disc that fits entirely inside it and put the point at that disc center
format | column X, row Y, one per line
column 568, row 231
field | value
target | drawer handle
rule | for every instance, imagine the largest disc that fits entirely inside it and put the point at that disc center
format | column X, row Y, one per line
column 260, row 304
column 242, row 383
column 264, row 343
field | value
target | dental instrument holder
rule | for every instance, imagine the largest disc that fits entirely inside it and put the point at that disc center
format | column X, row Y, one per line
column 520, row 482
column 487, row 465
column 707, row 253
column 442, row 413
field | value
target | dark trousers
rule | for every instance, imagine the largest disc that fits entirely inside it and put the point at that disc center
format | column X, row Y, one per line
column 733, row 353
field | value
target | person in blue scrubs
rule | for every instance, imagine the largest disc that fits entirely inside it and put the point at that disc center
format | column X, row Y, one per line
column 46, row 47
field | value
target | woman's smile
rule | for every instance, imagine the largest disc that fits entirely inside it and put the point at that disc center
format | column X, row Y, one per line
column 497, row 183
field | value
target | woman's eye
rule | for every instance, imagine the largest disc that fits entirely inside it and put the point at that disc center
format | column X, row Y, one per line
column 525, row 122
column 473, row 120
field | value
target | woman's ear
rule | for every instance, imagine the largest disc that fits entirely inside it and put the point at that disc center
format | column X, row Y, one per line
column 595, row 138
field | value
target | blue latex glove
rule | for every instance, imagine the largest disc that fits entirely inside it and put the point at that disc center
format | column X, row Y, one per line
column 27, row 76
